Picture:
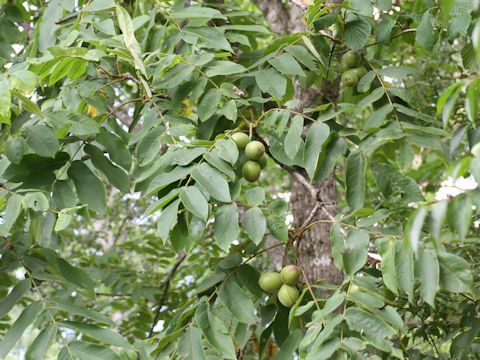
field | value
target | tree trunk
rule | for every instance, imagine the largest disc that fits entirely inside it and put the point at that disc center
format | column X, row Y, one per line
column 314, row 252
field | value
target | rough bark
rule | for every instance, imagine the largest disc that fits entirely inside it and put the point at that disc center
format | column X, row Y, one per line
column 314, row 252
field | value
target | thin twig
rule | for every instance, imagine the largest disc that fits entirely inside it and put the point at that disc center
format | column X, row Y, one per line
column 166, row 284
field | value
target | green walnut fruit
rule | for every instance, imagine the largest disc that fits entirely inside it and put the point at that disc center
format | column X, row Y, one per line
column 360, row 71
column 270, row 282
column 251, row 170
column 288, row 295
column 290, row 274
column 351, row 59
column 262, row 161
column 350, row 78
column 254, row 150
column 343, row 67
column 241, row 139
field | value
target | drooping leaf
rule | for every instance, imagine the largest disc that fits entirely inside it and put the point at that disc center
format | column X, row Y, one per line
column 42, row 140
column 40, row 345
column 208, row 104
column 90, row 189
column 226, row 225
column 237, row 302
column 212, row 181
column 355, row 252
column 14, row 296
column 194, row 201
column 104, row 335
column 414, row 228
column 355, row 179
column 128, row 32
column 316, row 136
column 455, row 274
column 356, row 33
column 86, row 350
column 425, row 35
column 361, row 320
column 404, row 268
column 19, row 326
column 386, row 247
column 255, row 224
column 167, row 220
column 191, row 345
column 209, row 325
column 278, row 228
column 270, row 81
column 294, row 137
column 427, row 269
column 114, row 174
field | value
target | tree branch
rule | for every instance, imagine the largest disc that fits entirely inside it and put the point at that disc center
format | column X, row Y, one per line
column 166, row 284
column 123, row 116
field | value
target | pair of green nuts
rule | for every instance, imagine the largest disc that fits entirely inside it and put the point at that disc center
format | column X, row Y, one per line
column 351, row 69
column 283, row 282
column 255, row 152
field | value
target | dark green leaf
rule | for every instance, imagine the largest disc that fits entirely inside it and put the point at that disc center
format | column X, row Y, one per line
column 255, row 224
column 355, row 252
column 316, row 136
column 14, row 296
column 425, row 35
column 355, row 180
column 104, row 335
column 212, row 181
column 270, row 81
column 114, row 174
column 42, row 140
column 278, row 228
column 404, row 268
column 361, row 320
column 167, row 220
column 208, row 104
column 237, row 302
column 210, row 328
column 226, row 225
column 455, row 274
column 191, row 345
column 356, row 33
column 427, row 269
column 85, row 350
column 19, row 326
column 194, row 201
column 40, row 345
column 90, row 189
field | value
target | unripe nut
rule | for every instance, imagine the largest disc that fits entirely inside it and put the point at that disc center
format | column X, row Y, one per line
column 290, row 274
column 254, row 150
column 251, row 170
column 351, row 59
column 270, row 282
column 360, row 71
column 350, row 78
column 262, row 161
column 241, row 139
column 288, row 295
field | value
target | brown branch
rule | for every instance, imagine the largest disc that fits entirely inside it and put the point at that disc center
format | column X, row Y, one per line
column 123, row 116
column 166, row 284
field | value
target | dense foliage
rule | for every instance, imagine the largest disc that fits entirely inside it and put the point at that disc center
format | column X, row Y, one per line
column 129, row 231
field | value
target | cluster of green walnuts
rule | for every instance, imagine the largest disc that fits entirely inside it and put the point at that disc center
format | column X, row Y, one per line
column 351, row 69
column 283, row 282
column 254, row 152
